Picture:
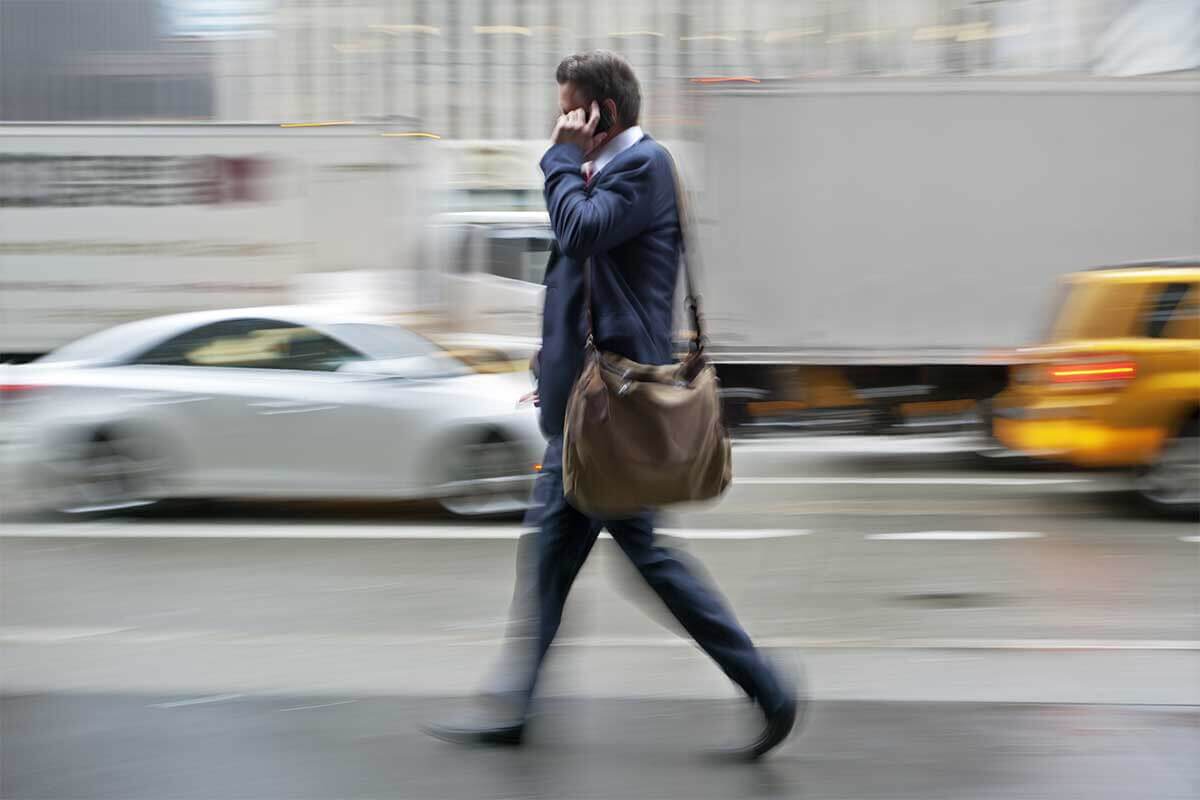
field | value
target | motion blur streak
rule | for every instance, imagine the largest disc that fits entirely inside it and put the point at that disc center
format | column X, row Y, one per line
column 271, row 274
column 726, row 80
column 314, row 124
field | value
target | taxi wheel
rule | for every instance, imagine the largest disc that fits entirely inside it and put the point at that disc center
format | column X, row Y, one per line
column 1171, row 485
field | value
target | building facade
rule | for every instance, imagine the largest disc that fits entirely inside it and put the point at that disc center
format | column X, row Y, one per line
column 482, row 69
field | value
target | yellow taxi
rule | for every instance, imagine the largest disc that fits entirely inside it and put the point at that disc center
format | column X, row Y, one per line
column 1118, row 382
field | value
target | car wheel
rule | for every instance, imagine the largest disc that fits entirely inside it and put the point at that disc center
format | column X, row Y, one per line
column 1171, row 485
column 108, row 472
column 486, row 476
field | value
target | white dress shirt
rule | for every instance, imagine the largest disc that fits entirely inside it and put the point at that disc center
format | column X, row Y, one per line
column 611, row 149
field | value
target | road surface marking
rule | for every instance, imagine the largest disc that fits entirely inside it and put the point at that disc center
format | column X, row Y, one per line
column 951, row 536
column 369, row 587
column 726, row 533
column 206, row 638
column 116, row 530
column 859, row 445
column 50, row 635
column 930, row 481
column 198, row 701
column 1189, row 538
column 319, row 705
column 62, row 548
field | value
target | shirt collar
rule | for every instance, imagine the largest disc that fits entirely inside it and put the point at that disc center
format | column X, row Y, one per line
column 614, row 147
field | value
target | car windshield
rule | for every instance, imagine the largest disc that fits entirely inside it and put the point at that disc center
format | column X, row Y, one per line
column 387, row 343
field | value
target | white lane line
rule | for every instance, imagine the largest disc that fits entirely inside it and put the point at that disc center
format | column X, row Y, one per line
column 859, row 445
column 723, row 533
column 318, row 705
column 207, row 638
column 300, row 531
column 198, row 701
column 947, row 480
column 953, row 536
column 49, row 635
column 998, row 644
column 1189, row 538
column 62, row 548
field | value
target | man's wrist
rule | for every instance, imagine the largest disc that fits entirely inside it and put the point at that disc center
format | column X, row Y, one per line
column 565, row 148
column 563, row 152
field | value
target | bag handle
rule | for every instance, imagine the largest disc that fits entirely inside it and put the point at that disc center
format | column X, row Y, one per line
column 692, row 297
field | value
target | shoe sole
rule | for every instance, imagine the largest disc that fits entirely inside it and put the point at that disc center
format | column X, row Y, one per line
column 476, row 739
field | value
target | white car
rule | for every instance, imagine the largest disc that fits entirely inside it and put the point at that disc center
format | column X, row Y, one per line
column 268, row 402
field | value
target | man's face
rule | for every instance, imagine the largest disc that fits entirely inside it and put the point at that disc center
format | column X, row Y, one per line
column 571, row 97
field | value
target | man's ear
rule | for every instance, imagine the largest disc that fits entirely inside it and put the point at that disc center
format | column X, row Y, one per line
column 610, row 108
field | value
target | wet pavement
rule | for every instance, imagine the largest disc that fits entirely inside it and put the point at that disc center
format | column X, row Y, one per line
column 966, row 633
column 153, row 747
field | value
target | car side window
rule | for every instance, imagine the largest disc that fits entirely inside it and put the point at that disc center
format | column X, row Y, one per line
column 254, row 344
column 1185, row 321
column 519, row 253
column 1172, row 312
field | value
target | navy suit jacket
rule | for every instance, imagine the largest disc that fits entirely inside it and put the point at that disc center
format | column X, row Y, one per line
column 626, row 222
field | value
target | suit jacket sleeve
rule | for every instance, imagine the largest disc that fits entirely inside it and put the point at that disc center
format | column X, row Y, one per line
column 615, row 209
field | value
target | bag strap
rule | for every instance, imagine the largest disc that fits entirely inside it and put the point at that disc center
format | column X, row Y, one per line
column 690, row 252
column 692, row 297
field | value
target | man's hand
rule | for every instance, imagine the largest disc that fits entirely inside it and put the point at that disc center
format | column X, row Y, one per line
column 574, row 128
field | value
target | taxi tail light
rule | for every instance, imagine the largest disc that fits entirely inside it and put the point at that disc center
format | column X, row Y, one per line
column 1090, row 372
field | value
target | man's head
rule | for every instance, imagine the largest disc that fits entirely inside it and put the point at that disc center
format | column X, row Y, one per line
column 604, row 78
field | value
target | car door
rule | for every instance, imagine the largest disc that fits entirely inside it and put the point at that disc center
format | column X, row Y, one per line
column 1168, row 358
column 321, row 430
column 395, row 413
column 197, row 388
column 265, row 412
column 273, row 409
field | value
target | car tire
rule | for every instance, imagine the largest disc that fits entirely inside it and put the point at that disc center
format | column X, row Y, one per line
column 104, row 472
column 486, row 475
column 1171, row 485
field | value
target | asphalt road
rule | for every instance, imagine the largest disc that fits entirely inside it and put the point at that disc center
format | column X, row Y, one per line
column 965, row 632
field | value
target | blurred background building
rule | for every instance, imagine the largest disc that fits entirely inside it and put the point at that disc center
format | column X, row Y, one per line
column 70, row 60
column 475, row 69
column 272, row 190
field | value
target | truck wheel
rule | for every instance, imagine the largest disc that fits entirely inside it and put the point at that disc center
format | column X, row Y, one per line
column 1171, row 485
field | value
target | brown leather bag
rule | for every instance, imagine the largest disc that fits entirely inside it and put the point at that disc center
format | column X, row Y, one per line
column 638, row 436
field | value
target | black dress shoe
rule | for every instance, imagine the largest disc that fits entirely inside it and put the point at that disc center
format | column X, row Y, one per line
column 779, row 724
column 480, row 735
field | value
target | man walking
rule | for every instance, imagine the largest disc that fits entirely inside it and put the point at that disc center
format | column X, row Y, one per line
column 610, row 192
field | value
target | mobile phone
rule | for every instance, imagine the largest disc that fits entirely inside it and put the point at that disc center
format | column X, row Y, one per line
column 606, row 121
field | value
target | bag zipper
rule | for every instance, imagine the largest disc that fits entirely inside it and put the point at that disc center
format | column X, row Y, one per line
column 626, row 382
